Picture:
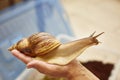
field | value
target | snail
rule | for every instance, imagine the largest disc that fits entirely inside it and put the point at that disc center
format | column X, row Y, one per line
column 43, row 46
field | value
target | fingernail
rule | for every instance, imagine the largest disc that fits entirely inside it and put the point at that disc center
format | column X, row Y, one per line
column 29, row 66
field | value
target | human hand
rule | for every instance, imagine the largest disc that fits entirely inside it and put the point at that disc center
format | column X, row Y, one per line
column 72, row 71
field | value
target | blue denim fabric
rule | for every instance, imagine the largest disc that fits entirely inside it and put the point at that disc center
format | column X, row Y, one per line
column 23, row 20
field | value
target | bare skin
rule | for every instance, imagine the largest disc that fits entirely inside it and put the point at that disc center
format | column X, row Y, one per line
column 72, row 71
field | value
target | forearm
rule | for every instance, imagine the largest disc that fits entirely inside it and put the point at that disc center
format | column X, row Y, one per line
column 81, row 73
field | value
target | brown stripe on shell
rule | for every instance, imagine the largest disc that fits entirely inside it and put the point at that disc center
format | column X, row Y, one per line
column 38, row 34
column 42, row 45
column 46, row 46
column 35, row 38
column 17, row 44
column 39, row 39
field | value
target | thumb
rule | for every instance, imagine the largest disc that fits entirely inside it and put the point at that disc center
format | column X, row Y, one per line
column 36, row 64
column 39, row 65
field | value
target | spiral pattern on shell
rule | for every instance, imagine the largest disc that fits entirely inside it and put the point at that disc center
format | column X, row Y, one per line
column 37, row 44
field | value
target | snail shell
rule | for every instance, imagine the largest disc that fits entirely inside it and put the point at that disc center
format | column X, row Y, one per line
column 37, row 44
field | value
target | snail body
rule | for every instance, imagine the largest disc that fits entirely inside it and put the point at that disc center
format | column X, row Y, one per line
column 46, row 47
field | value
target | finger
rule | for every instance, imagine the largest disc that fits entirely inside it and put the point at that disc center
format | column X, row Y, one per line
column 48, row 69
column 41, row 66
column 37, row 64
column 21, row 56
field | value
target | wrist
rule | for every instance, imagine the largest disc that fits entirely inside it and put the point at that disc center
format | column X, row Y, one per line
column 75, row 73
column 79, row 72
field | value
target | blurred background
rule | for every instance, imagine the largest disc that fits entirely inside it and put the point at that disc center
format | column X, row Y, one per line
column 71, row 18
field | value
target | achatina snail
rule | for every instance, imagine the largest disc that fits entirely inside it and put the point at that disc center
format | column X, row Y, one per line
column 44, row 46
